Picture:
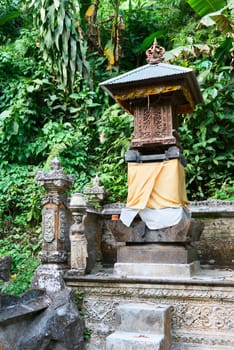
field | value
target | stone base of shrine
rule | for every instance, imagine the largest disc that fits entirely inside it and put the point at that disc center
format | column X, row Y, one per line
column 157, row 253
column 202, row 311
column 49, row 277
column 174, row 271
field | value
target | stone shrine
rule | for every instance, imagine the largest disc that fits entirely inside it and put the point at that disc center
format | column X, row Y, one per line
column 157, row 203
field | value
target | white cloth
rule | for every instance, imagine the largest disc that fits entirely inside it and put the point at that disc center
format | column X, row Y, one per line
column 156, row 219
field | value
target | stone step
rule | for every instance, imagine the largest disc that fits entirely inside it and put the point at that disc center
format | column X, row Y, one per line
column 134, row 341
column 143, row 317
column 141, row 326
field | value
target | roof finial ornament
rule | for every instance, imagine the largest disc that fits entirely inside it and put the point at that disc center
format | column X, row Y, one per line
column 155, row 53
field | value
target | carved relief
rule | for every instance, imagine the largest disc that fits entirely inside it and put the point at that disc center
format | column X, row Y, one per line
column 153, row 124
column 222, row 342
column 48, row 225
column 62, row 225
column 201, row 316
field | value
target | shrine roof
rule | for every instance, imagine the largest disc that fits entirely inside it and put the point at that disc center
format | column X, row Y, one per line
column 153, row 75
column 148, row 72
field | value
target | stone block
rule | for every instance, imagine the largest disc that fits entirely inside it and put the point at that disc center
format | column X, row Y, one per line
column 57, row 326
column 5, row 268
column 162, row 271
column 134, row 341
column 17, row 307
column 184, row 231
column 143, row 317
column 156, row 253
column 49, row 277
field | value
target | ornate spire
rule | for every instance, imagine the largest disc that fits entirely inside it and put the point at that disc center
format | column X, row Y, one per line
column 155, row 53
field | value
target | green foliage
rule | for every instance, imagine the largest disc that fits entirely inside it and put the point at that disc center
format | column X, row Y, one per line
column 207, row 134
column 20, row 198
column 203, row 7
column 224, row 192
column 10, row 19
column 79, row 297
column 40, row 119
column 87, row 334
column 23, row 248
column 115, row 128
column 146, row 20
column 59, row 40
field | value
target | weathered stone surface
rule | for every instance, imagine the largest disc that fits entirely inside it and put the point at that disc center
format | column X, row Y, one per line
column 148, row 318
column 164, row 271
column 184, row 231
column 122, row 233
column 202, row 311
column 15, row 307
column 216, row 244
column 49, row 277
column 141, row 326
column 79, row 253
column 156, row 253
column 93, row 233
column 5, row 268
column 134, row 341
column 59, row 327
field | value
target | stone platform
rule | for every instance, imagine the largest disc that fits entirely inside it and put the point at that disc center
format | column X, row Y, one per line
column 202, row 310
column 165, row 271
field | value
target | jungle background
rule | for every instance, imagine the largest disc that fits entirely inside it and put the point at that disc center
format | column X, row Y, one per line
column 53, row 55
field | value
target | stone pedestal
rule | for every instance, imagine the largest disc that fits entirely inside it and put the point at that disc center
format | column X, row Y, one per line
column 157, row 259
column 156, row 253
column 161, row 271
column 49, row 277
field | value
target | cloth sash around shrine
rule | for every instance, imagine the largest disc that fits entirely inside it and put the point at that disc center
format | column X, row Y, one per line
column 157, row 192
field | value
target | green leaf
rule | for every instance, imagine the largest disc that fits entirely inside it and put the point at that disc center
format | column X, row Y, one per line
column 56, row 4
column 43, row 14
column 147, row 42
column 203, row 7
column 8, row 16
column 223, row 22
column 15, row 127
column 5, row 114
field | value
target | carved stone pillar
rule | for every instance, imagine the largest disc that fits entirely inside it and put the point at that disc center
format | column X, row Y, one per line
column 54, row 222
column 49, row 275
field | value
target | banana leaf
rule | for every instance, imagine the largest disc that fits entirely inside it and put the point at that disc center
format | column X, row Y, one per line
column 203, row 7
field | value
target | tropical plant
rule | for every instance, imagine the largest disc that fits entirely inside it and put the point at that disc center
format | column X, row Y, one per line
column 203, row 7
column 115, row 128
column 54, row 107
column 59, row 39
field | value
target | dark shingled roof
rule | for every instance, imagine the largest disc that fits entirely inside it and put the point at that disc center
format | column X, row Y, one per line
column 154, row 74
column 147, row 72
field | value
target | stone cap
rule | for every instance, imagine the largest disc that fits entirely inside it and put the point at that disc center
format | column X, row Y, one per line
column 210, row 206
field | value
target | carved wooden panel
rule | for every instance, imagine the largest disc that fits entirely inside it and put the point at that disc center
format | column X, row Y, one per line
column 153, row 125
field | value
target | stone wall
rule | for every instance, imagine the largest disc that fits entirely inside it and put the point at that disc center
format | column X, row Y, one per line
column 202, row 306
column 216, row 245
column 202, row 312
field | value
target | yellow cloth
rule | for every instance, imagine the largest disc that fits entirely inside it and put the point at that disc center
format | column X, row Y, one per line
column 156, row 185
